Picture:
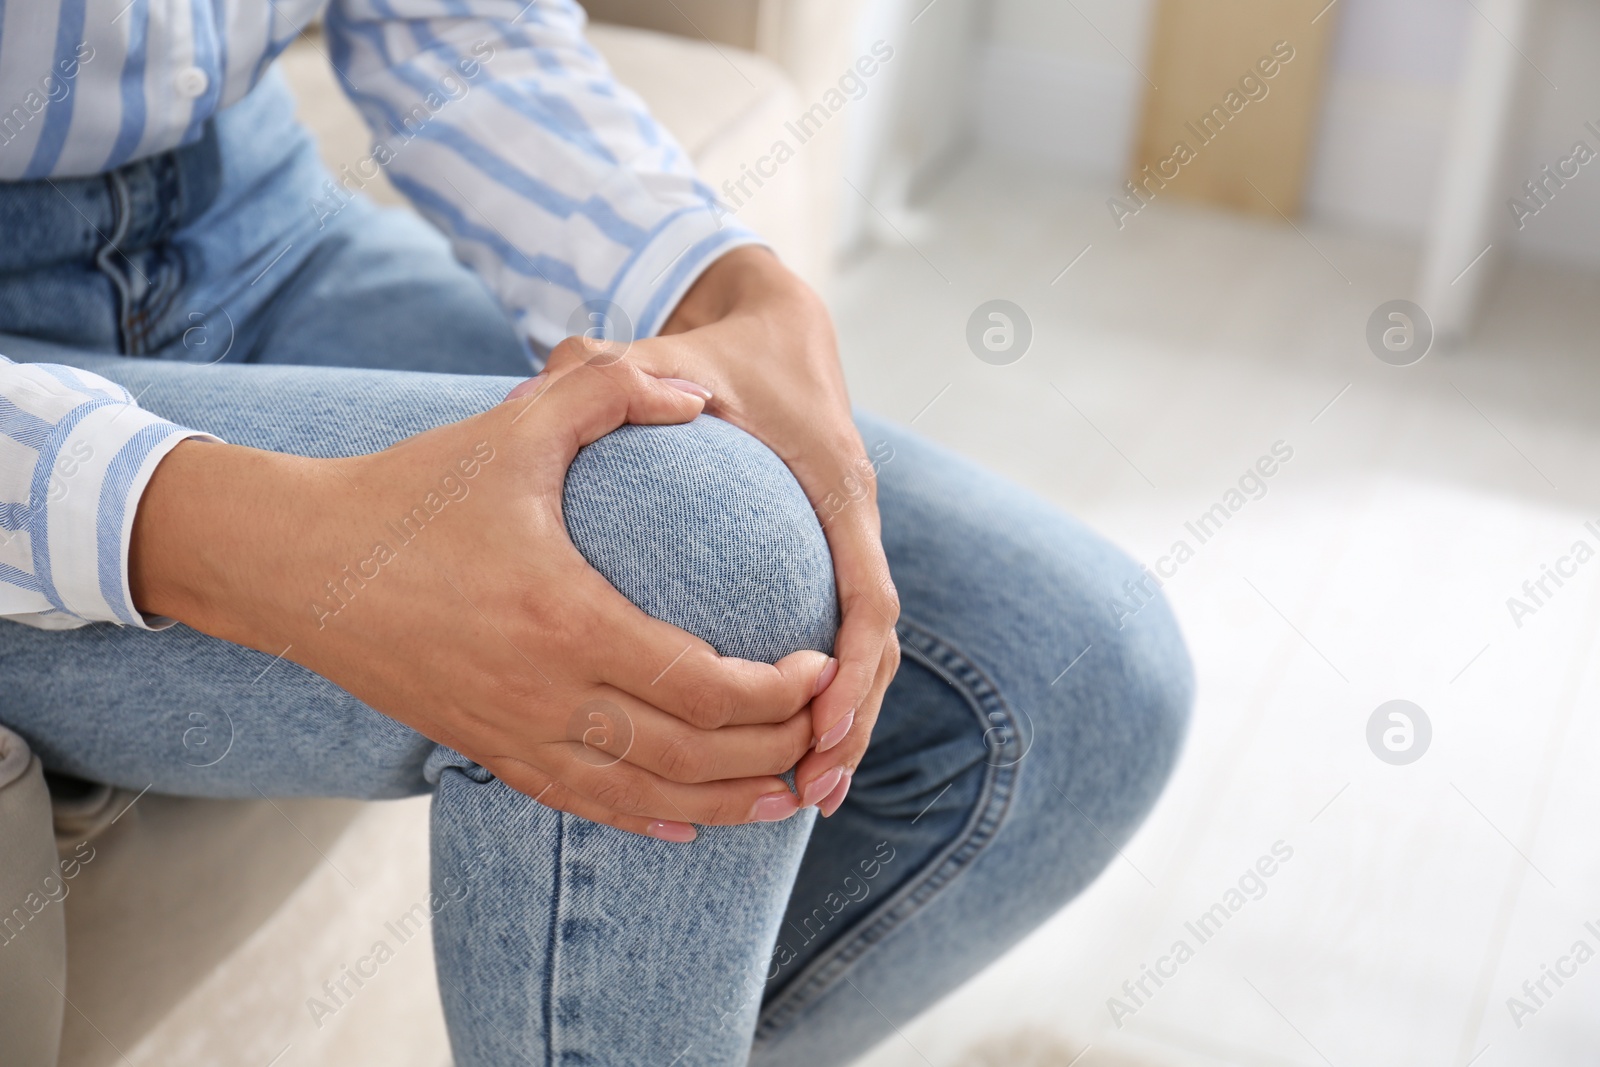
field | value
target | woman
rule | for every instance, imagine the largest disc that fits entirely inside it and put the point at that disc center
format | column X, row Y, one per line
column 648, row 589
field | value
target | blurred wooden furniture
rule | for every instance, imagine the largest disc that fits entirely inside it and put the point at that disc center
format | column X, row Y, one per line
column 1208, row 88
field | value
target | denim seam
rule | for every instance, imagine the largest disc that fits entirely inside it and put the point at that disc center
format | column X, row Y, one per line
column 554, row 939
column 823, row 974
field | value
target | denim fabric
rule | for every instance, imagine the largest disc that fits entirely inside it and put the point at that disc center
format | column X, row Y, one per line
column 104, row 246
column 646, row 507
column 219, row 251
column 995, row 789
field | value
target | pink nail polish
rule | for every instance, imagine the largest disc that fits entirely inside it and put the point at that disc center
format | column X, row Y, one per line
column 821, row 786
column 829, row 669
column 831, row 802
column 774, row 807
column 683, row 385
column 680, row 832
column 836, row 733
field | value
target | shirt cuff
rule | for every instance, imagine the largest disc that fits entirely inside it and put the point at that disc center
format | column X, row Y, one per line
column 672, row 260
column 94, row 476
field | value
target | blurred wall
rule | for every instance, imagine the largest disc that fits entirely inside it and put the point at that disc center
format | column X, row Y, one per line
column 1387, row 112
column 1057, row 82
column 917, row 120
column 1565, row 42
column 1391, row 100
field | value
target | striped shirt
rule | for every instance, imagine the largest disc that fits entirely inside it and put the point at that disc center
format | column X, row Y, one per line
column 552, row 181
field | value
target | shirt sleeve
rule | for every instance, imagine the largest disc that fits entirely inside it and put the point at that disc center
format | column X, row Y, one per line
column 76, row 452
column 553, row 182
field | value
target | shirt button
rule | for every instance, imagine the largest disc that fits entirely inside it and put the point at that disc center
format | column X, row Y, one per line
column 191, row 82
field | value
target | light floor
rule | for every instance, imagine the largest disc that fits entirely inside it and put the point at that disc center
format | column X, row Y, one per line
column 1168, row 359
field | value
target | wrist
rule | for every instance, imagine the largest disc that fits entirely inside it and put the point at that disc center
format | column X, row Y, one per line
column 218, row 533
column 746, row 277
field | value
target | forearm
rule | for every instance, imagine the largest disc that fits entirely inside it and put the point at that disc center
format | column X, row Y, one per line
column 486, row 631
column 221, row 534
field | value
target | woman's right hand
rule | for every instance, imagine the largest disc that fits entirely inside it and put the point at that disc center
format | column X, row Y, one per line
column 478, row 624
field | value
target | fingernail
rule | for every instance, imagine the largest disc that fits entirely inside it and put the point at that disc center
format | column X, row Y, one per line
column 774, row 807
column 831, row 802
column 836, row 733
column 821, row 786
column 524, row 388
column 683, row 385
column 680, row 832
column 830, row 669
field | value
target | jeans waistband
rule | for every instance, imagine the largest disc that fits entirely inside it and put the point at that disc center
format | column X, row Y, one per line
column 62, row 220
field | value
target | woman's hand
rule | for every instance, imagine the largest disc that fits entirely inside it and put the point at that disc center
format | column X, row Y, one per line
column 436, row 581
column 762, row 342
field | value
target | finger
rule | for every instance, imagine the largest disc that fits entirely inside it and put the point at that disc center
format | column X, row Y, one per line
column 589, row 400
column 618, row 727
column 628, row 790
column 868, row 608
column 582, row 351
column 711, row 691
column 552, row 794
column 823, row 778
column 579, row 351
column 830, row 803
column 865, row 630
column 672, row 669
column 675, row 671
column 658, row 356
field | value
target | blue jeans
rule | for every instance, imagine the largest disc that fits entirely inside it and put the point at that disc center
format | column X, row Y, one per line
column 998, row 784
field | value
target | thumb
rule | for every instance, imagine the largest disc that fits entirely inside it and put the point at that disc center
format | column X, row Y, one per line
column 649, row 403
column 589, row 402
column 664, row 401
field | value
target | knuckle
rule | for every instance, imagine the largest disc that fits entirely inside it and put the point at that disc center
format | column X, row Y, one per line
column 795, row 752
column 568, row 351
column 891, row 652
column 711, row 707
column 891, row 597
column 781, row 760
column 619, row 793
column 720, row 811
column 685, row 760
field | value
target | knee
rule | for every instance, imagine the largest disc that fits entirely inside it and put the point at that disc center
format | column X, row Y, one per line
column 1158, row 692
column 704, row 527
column 1101, row 697
column 1135, row 703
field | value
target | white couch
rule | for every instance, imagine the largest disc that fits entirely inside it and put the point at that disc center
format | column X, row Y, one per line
column 726, row 100
column 197, row 930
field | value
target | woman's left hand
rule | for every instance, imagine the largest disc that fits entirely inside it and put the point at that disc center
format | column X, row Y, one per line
column 762, row 341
